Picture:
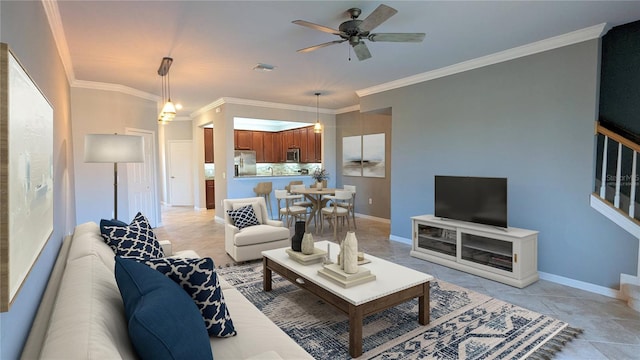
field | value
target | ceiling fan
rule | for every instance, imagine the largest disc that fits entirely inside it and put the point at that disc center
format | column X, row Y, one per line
column 356, row 31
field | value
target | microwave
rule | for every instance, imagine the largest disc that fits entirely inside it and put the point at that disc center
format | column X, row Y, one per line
column 293, row 155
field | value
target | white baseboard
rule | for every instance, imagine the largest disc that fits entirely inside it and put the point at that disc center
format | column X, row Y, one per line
column 401, row 239
column 218, row 219
column 374, row 218
column 597, row 289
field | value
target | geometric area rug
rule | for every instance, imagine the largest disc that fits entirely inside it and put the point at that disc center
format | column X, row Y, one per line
column 464, row 324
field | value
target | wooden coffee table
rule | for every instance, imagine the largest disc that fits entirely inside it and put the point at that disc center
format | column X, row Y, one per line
column 394, row 284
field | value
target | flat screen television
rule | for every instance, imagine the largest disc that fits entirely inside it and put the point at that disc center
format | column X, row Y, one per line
column 480, row 200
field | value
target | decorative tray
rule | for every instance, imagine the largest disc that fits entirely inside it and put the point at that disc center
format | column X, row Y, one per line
column 334, row 273
column 303, row 259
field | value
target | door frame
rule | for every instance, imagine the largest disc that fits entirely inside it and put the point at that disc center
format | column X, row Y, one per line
column 154, row 173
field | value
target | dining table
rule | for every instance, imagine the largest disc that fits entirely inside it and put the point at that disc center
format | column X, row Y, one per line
column 316, row 197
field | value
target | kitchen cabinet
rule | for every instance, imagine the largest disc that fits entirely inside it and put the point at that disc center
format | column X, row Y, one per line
column 287, row 140
column 208, row 145
column 210, row 190
column 257, row 142
column 272, row 147
column 311, row 145
column 318, row 145
column 243, row 139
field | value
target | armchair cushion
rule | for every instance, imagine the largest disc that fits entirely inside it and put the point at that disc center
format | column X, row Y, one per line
column 243, row 217
column 260, row 234
column 199, row 279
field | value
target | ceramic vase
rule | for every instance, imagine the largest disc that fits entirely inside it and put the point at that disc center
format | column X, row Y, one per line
column 296, row 239
column 350, row 253
column 308, row 245
column 319, row 185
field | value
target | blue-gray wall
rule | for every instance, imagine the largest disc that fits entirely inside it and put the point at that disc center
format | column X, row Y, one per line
column 24, row 26
column 531, row 120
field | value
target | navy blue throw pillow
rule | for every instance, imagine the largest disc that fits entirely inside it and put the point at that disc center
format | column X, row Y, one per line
column 243, row 217
column 199, row 279
column 164, row 323
column 135, row 240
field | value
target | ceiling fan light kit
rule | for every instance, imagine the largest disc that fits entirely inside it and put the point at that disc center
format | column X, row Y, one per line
column 356, row 31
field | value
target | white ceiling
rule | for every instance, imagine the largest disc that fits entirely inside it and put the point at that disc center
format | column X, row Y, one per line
column 216, row 44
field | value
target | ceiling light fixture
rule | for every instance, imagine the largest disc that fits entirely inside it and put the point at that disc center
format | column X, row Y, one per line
column 317, row 128
column 168, row 112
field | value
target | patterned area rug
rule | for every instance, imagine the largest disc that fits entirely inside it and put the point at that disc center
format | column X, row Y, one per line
column 464, row 324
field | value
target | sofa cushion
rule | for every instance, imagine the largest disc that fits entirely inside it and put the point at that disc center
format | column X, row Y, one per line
column 199, row 279
column 164, row 323
column 87, row 241
column 88, row 321
column 243, row 217
column 257, row 209
column 260, row 234
column 136, row 240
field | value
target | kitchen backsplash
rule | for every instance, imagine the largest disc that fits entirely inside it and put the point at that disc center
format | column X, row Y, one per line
column 280, row 169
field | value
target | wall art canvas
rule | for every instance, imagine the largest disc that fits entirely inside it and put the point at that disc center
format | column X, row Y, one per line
column 352, row 155
column 373, row 158
column 26, row 175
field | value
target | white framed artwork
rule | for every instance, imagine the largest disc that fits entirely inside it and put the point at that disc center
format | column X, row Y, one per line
column 352, row 156
column 373, row 155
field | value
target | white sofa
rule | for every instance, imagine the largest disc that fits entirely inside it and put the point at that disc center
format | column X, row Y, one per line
column 249, row 243
column 82, row 316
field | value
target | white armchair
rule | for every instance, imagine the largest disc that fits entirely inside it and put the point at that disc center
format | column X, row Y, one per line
column 249, row 243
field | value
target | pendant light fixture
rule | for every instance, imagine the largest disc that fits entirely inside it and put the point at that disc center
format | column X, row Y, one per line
column 317, row 128
column 168, row 112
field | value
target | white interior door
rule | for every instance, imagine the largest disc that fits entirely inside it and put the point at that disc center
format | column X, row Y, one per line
column 180, row 173
column 141, row 180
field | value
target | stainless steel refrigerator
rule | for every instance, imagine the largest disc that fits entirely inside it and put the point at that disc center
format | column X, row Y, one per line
column 245, row 162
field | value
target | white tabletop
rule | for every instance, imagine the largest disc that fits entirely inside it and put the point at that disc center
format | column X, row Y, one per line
column 390, row 277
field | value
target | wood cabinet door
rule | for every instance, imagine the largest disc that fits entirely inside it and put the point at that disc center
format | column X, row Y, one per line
column 258, row 145
column 297, row 138
column 278, row 153
column 318, row 147
column 208, row 145
column 311, row 145
column 210, row 189
column 304, row 157
column 269, row 154
column 244, row 139
column 287, row 140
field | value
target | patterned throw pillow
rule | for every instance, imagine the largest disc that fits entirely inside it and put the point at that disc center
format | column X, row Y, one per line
column 243, row 217
column 199, row 279
column 136, row 240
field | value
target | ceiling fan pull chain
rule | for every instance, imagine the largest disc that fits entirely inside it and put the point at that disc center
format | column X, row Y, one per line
column 349, row 47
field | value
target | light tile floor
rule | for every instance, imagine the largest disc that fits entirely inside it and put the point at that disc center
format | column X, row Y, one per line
column 611, row 329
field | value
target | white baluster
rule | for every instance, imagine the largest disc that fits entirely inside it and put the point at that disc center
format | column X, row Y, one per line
column 616, row 198
column 603, row 181
column 632, row 195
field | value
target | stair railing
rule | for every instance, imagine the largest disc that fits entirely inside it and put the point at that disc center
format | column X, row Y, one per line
column 633, row 178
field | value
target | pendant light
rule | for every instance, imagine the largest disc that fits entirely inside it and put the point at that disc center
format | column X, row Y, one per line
column 317, row 128
column 168, row 112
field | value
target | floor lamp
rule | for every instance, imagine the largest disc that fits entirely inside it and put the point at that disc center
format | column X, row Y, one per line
column 113, row 148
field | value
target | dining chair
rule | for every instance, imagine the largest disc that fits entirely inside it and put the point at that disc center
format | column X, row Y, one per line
column 334, row 211
column 289, row 211
column 304, row 202
column 264, row 189
column 351, row 207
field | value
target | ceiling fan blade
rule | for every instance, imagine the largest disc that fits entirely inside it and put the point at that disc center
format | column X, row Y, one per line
column 316, row 27
column 397, row 37
column 362, row 51
column 315, row 47
column 377, row 17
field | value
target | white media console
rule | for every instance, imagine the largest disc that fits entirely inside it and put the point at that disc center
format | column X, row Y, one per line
column 506, row 255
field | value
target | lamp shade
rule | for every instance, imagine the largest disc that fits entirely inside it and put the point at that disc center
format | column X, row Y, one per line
column 113, row 148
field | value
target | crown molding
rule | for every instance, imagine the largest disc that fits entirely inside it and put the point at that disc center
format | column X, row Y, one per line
column 114, row 87
column 555, row 42
column 55, row 23
column 266, row 104
column 348, row 109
